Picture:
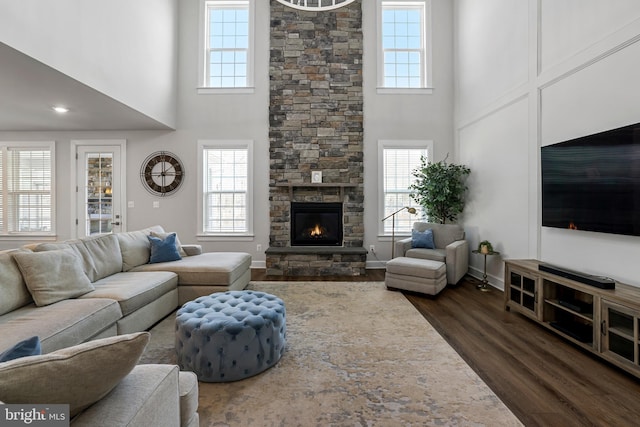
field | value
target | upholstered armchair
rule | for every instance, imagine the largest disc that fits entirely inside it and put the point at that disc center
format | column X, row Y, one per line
column 450, row 248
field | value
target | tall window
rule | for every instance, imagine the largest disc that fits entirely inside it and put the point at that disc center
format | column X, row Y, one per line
column 227, row 44
column 404, row 47
column 26, row 188
column 399, row 160
column 226, row 188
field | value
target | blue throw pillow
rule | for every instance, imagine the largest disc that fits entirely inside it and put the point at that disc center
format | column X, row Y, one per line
column 422, row 239
column 28, row 347
column 164, row 250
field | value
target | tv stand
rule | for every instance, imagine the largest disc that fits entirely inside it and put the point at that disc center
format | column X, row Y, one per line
column 605, row 322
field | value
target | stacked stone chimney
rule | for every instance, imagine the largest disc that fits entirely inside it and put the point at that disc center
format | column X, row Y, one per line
column 315, row 116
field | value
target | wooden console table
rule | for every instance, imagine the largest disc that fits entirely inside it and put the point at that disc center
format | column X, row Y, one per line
column 605, row 322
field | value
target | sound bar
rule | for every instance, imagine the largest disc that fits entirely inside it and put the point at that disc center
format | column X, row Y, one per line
column 587, row 279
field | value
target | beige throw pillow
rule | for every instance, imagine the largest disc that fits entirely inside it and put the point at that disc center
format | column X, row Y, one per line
column 53, row 276
column 13, row 291
column 78, row 376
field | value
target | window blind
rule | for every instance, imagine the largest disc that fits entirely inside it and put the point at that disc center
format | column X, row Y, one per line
column 26, row 184
column 225, row 190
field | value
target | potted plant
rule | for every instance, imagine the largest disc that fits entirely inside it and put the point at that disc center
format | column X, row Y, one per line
column 440, row 188
column 485, row 247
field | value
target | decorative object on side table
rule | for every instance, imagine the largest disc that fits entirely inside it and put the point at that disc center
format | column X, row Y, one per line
column 412, row 211
column 485, row 248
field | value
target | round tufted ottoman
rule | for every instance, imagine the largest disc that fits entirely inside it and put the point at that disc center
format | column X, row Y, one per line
column 229, row 336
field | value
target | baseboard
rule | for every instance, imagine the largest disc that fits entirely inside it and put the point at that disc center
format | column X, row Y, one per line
column 375, row 265
column 496, row 282
column 259, row 264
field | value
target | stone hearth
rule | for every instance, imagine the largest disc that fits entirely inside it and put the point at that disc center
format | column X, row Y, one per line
column 315, row 116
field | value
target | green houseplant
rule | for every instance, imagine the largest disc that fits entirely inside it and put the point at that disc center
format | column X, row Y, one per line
column 440, row 188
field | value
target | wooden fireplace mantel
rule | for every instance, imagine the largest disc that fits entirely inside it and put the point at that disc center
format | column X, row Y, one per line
column 291, row 186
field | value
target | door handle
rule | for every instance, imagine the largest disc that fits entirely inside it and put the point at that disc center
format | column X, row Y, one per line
column 115, row 223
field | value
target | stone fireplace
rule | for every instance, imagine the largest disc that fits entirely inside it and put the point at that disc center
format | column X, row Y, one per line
column 315, row 124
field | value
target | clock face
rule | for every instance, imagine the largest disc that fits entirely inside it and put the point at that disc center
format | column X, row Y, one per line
column 162, row 173
column 315, row 5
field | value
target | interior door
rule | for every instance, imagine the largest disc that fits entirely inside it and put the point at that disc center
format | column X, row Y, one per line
column 99, row 190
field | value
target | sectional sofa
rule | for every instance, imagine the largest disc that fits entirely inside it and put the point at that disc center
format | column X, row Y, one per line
column 73, row 292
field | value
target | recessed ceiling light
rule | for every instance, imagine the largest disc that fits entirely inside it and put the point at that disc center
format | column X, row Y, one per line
column 60, row 109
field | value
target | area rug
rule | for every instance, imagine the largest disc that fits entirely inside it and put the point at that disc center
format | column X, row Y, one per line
column 356, row 355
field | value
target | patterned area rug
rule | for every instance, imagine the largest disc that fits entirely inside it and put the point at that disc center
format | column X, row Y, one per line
column 357, row 355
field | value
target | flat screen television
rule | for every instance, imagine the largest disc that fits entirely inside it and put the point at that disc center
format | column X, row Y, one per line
column 592, row 183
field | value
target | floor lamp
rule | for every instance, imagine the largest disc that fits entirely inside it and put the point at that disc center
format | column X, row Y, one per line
column 393, row 226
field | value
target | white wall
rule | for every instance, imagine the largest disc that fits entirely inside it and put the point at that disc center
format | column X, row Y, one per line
column 567, row 70
column 124, row 49
column 404, row 117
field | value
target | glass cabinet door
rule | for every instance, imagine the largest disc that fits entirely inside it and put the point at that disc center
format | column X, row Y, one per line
column 620, row 331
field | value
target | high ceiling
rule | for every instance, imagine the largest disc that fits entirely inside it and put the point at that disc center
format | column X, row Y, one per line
column 29, row 89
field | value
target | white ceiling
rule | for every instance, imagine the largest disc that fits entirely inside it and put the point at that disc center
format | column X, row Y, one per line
column 29, row 89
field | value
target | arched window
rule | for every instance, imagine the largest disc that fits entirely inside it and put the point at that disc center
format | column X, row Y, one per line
column 315, row 5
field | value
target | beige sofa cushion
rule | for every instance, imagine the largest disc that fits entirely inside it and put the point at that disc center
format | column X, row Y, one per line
column 133, row 291
column 78, row 247
column 188, row 397
column 210, row 268
column 78, row 376
column 105, row 252
column 432, row 254
column 53, row 276
column 12, row 287
column 100, row 255
column 59, row 325
column 147, row 397
column 135, row 247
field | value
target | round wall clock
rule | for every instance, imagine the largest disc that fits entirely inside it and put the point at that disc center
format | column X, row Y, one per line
column 315, row 5
column 162, row 173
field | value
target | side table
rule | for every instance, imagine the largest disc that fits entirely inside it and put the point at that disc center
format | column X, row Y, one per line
column 483, row 285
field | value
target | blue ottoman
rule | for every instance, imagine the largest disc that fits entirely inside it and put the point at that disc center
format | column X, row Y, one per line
column 229, row 336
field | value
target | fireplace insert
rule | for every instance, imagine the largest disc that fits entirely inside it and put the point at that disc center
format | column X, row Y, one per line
column 316, row 224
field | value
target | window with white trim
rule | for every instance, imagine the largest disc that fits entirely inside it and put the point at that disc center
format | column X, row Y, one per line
column 399, row 159
column 227, row 39
column 226, row 182
column 404, row 48
column 26, row 188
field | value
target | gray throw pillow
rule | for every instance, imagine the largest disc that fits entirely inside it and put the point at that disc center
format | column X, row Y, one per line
column 78, row 376
column 53, row 276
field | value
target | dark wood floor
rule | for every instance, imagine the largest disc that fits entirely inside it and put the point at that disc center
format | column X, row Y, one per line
column 542, row 378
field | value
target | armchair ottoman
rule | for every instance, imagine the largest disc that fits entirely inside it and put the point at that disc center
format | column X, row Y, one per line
column 416, row 275
column 451, row 248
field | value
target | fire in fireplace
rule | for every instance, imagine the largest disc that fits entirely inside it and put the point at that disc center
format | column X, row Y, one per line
column 316, row 224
